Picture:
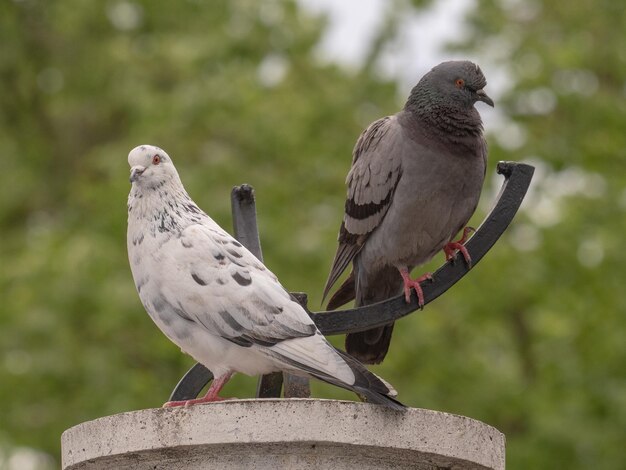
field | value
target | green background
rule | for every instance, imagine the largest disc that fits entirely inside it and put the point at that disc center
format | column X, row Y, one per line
column 532, row 341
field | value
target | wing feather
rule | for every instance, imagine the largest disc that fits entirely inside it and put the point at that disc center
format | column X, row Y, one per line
column 234, row 295
column 372, row 180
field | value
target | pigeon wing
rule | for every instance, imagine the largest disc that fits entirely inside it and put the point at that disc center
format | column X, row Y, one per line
column 227, row 291
column 222, row 287
column 372, row 180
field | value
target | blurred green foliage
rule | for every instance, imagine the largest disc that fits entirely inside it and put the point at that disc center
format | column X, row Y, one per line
column 532, row 341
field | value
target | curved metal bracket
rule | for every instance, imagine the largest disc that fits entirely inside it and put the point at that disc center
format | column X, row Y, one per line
column 517, row 180
column 516, row 183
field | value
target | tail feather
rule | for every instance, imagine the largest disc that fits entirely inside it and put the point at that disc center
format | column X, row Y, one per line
column 345, row 254
column 380, row 399
column 367, row 385
column 344, row 294
column 371, row 387
column 393, row 393
column 370, row 346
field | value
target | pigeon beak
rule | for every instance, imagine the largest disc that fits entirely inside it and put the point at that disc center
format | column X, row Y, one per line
column 482, row 96
column 135, row 172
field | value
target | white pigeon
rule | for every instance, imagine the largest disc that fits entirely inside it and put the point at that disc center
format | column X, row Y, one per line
column 215, row 299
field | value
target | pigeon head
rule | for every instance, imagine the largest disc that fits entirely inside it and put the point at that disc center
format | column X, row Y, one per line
column 150, row 166
column 456, row 84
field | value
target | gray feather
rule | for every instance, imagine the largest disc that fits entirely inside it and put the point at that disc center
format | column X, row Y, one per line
column 424, row 168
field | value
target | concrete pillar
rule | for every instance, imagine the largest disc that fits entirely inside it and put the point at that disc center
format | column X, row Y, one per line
column 283, row 434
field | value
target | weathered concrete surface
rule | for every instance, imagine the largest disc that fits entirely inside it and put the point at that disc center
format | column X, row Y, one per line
column 283, row 434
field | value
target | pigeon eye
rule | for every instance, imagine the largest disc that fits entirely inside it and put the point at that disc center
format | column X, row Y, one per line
column 156, row 160
column 460, row 83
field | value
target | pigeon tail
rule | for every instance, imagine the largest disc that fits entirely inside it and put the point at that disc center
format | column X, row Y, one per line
column 370, row 346
column 369, row 386
column 380, row 399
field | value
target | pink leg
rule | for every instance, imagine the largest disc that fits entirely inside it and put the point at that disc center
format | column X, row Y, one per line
column 414, row 284
column 458, row 245
column 211, row 394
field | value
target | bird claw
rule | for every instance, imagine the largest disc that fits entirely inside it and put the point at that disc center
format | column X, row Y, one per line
column 195, row 401
column 210, row 397
column 415, row 285
column 450, row 248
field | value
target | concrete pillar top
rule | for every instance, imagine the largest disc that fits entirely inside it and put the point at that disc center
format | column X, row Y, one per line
column 283, row 433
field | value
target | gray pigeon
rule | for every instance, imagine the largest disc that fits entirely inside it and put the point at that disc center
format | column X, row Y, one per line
column 215, row 300
column 415, row 181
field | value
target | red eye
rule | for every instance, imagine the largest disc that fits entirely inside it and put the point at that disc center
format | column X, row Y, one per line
column 156, row 160
column 460, row 83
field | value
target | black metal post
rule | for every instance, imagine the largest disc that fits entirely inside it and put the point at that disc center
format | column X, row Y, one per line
column 247, row 232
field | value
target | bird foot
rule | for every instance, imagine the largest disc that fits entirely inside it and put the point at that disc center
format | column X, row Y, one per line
column 415, row 285
column 210, row 397
column 451, row 247
column 195, row 401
